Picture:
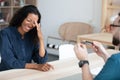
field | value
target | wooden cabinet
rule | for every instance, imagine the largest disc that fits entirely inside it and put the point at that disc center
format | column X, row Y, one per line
column 9, row 7
column 110, row 8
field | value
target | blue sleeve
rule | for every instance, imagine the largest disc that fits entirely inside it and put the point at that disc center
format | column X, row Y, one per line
column 37, row 58
column 7, row 54
column 110, row 70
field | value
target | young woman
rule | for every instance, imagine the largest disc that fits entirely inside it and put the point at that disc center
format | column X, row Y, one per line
column 22, row 41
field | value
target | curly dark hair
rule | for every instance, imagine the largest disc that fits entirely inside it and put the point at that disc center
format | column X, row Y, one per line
column 21, row 14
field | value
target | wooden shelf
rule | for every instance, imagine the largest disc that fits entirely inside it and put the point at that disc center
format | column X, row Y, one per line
column 113, row 7
column 110, row 8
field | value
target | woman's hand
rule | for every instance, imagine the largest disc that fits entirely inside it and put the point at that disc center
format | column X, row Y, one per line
column 44, row 67
column 81, row 51
column 40, row 67
column 100, row 50
column 39, row 33
column 41, row 41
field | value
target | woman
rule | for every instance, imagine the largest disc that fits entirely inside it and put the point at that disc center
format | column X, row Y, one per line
column 22, row 42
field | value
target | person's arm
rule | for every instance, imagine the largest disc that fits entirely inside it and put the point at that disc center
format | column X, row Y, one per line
column 37, row 58
column 100, row 50
column 41, row 40
column 42, row 57
column 82, row 54
column 42, row 48
column 41, row 61
column 86, row 74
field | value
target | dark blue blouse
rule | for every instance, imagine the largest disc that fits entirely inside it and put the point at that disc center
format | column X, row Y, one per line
column 16, row 52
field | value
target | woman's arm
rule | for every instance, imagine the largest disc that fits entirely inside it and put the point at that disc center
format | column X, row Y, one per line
column 41, row 40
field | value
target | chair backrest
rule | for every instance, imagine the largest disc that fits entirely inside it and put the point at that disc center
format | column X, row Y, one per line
column 66, row 51
column 70, row 30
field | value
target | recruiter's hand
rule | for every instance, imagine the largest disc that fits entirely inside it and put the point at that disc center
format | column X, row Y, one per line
column 81, row 51
column 44, row 67
column 100, row 50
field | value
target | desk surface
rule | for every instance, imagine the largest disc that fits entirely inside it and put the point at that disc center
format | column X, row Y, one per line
column 62, row 68
column 105, row 38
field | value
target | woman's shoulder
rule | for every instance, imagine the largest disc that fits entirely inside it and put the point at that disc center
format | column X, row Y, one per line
column 7, row 29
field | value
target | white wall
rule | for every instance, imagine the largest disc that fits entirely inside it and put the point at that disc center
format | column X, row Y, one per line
column 56, row 12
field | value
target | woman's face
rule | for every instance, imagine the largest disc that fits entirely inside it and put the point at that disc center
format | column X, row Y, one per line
column 29, row 23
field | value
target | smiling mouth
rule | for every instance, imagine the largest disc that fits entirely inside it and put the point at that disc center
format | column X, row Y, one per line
column 30, row 27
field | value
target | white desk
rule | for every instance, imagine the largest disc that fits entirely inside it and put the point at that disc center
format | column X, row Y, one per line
column 63, row 68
